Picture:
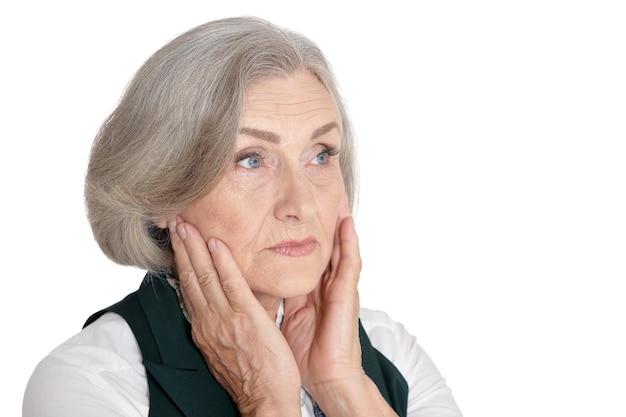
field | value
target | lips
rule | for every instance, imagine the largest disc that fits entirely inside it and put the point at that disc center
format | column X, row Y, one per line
column 295, row 248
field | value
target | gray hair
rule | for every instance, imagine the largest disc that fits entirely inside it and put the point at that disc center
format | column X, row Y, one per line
column 174, row 129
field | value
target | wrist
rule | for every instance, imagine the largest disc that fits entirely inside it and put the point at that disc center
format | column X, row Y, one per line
column 271, row 407
column 357, row 395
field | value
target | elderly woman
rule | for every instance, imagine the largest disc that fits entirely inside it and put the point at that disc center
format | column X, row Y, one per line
column 227, row 171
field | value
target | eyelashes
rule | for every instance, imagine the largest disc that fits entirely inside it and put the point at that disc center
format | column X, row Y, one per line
column 254, row 158
column 328, row 152
column 249, row 160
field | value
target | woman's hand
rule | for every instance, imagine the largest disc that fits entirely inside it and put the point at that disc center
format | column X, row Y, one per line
column 322, row 330
column 242, row 346
column 322, row 327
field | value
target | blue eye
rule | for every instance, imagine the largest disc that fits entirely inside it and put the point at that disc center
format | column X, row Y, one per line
column 323, row 157
column 250, row 162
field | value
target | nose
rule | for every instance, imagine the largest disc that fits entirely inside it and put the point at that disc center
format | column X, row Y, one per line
column 296, row 197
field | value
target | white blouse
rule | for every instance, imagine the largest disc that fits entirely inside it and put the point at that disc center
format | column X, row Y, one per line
column 99, row 373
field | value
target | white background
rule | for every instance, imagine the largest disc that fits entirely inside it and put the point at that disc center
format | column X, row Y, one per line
column 493, row 173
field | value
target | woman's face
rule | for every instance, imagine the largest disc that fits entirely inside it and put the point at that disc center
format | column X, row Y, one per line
column 276, row 207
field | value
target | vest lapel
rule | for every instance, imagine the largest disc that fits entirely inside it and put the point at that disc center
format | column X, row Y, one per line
column 195, row 392
column 181, row 371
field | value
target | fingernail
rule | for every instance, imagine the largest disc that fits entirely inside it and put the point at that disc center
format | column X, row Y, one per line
column 352, row 227
column 182, row 231
column 212, row 243
column 171, row 225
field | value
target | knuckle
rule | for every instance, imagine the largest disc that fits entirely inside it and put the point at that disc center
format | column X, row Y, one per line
column 353, row 268
column 201, row 339
column 185, row 276
column 230, row 286
column 207, row 278
column 354, row 263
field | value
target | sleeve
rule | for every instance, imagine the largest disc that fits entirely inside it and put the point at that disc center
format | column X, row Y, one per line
column 97, row 373
column 429, row 396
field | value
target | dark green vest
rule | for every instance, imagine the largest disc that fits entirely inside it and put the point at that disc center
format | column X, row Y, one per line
column 179, row 381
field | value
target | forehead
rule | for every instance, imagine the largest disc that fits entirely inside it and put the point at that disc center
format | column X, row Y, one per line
column 297, row 95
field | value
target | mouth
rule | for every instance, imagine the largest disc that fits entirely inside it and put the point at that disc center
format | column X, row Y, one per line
column 295, row 248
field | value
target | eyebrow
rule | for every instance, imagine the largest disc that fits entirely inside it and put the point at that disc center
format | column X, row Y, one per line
column 274, row 138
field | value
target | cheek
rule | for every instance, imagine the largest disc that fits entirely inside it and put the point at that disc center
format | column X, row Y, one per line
column 329, row 210
column 239, row 226
column 225, row 223
column 213, row 219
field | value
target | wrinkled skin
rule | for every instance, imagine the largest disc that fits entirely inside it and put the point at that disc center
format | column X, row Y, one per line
column 277, row 227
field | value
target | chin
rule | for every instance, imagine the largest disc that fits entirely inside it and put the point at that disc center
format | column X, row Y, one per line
column 285, row 277
column 288, row 285
column 298, row 290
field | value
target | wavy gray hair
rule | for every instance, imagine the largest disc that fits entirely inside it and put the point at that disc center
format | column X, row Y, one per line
column 174, row 129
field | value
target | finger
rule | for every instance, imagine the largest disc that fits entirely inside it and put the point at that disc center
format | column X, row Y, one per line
column 335, row 256
column 298, row 320
column 183, row 263
column 197, row 275
column 294, row 304
column 343, row 212
column 233, row 284
column 191, row 291
column 349, row 265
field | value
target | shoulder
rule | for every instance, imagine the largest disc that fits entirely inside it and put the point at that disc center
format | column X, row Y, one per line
column 428, row 392
column 97, row 372
column 393, row 340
